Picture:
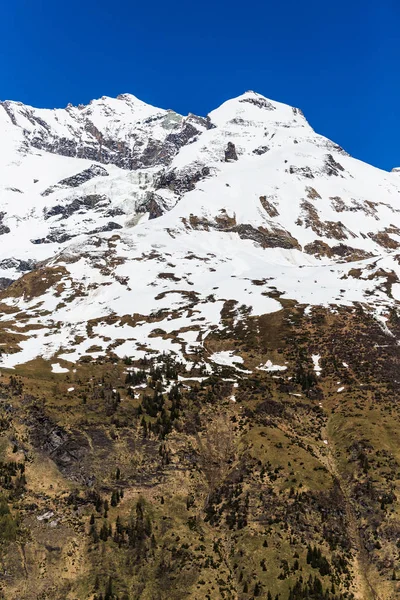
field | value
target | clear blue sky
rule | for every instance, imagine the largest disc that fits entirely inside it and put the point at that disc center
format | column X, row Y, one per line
column 338, row 61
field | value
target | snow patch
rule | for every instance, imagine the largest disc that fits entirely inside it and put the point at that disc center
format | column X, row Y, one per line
column 226, row 358
column 270, row 367
column 316, row 358
column 57, row 368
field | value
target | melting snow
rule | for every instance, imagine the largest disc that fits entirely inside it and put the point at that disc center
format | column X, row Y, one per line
column 226, row 358
column 269, row 366
column 57, row 368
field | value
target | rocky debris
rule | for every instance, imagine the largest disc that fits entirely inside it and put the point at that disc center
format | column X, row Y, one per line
column 230, row 152
column 181, row 181
column 90, row 201
column 78, row 179
column 331, row 166
column 261, row 150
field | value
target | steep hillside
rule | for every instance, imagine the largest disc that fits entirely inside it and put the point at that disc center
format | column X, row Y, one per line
column 199, row 357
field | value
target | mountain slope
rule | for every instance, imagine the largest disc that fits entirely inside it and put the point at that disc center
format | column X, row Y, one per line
column 255, row 206
column 199, row 357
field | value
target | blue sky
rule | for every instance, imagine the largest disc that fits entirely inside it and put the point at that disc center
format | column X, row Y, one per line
column 337, row 61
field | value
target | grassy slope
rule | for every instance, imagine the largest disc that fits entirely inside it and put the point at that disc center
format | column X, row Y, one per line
column 233, row 494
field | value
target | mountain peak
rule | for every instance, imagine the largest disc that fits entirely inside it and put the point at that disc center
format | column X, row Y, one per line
column 258, row 108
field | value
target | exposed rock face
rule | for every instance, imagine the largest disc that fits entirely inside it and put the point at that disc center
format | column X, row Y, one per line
column 230, row 152
column 19, row 265
column 312, row 194
column 153, row 204
column 332, row 167
column 261, row 150
column 277, row 238
column 78, row 179
column 66, row 449
column 181, row 181
column 260, row 102
column 3, row 228
column 110, row 131
column 301, row 171
column 383, row 239
column 269, row 207
column 65, row 211
column 331, row 229
column 5, row 282
column 60, row 236
column 86, row 175
column 111, row 226
column 320, row 248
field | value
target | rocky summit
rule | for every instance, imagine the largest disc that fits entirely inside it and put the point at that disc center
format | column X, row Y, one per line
column 199, row 357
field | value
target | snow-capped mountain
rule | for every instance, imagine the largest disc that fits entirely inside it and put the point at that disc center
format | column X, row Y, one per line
column 139, row 230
